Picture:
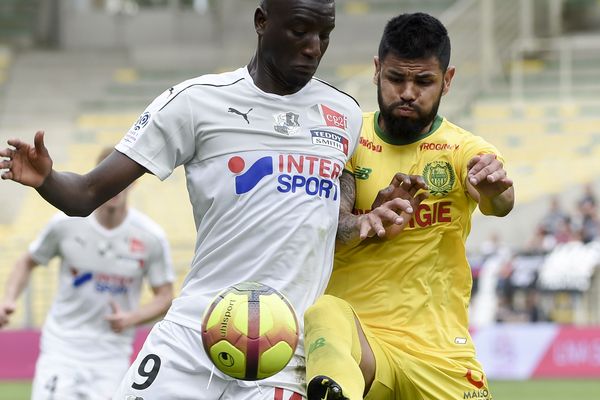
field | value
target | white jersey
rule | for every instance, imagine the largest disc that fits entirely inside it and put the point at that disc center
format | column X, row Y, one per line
column 263, row 179
column 97, row 265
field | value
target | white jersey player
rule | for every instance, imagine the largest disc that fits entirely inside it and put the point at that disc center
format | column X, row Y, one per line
column 87, row 337
column 263, row 176
column 263, row 148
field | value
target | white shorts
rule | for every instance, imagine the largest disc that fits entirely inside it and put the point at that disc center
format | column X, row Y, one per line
column 172, row 364
column 60, row 379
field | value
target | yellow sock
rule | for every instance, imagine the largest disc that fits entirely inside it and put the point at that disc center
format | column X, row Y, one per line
column 332, row 345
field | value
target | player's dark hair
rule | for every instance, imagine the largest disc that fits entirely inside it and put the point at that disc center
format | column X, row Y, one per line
column 414, row 36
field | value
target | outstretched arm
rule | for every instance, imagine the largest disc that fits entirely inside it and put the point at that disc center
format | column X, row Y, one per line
column 489, row 185
column 76, row 195
column 121, row 320
column 391, row 210
column 16, row 283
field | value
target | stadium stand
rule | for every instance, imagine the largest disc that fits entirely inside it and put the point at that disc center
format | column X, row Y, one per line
column 85, row 101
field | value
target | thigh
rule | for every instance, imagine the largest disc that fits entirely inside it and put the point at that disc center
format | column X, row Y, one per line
column 260, row 392
column 172, row 365
column 431, row 378
column 383, row 383
column 58, row 379
column 104, row 378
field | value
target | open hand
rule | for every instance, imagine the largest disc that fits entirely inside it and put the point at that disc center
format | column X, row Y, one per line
column 26, row 164
column 118, row 320
column 6, row 309
column 487, row 175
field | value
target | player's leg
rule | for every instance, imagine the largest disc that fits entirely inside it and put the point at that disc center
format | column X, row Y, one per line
column 431, row 378
column 55, row 379
column 288, row 384
column 104, row 378
column 259, row 391
column 339, row 361
column 171, row 365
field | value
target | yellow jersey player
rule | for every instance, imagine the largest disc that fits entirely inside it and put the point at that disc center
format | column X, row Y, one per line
column 394, row 322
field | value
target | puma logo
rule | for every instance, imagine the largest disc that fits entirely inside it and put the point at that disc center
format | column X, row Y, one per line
column 244, row 115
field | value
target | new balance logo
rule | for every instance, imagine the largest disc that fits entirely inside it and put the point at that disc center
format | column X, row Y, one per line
column 243, row 115
column 362, row 173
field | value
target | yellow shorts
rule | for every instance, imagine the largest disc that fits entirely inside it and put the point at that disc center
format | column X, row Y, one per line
column 403, row 375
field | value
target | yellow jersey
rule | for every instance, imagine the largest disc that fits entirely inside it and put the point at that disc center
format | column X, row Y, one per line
column 413, row 290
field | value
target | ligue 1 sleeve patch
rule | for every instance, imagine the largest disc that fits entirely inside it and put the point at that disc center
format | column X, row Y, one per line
column 135, row 131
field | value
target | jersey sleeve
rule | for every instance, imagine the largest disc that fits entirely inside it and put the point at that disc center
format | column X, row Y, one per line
column 350, row 166
column 356, row 122
column 163, row 137
column 160, row 268
column 46, row 245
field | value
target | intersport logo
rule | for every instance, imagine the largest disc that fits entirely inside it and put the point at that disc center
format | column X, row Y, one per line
column 294, row 173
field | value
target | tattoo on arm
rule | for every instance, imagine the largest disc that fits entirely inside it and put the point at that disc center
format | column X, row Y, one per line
column 347, row 231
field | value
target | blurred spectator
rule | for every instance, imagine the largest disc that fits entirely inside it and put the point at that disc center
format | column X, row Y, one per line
column 589, row 195
column 564, row 231
column 532, row 312
column 588, row 224
column 542, row 241
column 493, row 245
column 555, row 216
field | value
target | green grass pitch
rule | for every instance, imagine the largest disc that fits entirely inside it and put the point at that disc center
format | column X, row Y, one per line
column 501, row 390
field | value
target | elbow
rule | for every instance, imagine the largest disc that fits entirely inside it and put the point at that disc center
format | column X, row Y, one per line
column 497, row 211
column 167, row 300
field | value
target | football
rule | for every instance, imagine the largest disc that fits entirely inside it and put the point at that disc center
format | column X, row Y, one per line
column 250, row 331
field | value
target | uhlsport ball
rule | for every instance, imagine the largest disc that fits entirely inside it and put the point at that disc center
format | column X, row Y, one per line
column 250, row 331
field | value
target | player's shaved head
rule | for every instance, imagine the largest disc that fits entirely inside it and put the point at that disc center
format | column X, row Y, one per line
column 274, row 4
column 293, row 36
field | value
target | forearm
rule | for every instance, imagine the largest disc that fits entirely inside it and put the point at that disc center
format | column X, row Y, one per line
column 348, row 231
column 499, row 205
column 18, row 278
column 72, row 193
column 152, row 310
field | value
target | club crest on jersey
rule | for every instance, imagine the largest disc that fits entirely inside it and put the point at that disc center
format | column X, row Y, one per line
column 440, row 177
column 287, row 123
column 329, row 139
column 136, row 246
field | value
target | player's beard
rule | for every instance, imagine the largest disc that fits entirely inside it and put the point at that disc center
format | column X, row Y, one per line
column 408, row 129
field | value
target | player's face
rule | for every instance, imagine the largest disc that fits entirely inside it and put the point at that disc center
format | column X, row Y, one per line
column 409, row 93
column 294, row 37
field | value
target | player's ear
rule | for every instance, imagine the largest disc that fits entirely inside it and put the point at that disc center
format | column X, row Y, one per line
column 448, row 75
column 260, row 20
column 377, row 69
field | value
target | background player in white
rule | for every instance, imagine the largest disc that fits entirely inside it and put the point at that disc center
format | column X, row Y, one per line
column 88, row 334
column 263, row 148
